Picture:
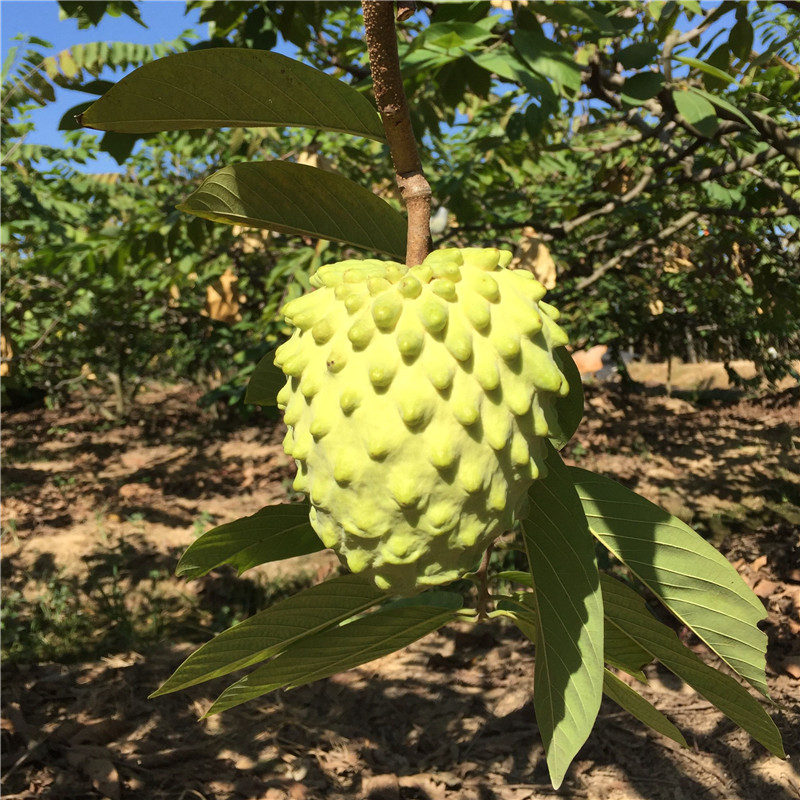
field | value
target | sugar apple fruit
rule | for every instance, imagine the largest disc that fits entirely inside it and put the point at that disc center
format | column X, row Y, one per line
column 418, row 404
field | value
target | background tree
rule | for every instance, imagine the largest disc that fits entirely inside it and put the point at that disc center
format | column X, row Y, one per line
column 652, row 148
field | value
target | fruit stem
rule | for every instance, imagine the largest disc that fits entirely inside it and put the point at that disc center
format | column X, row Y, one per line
column 387, row 82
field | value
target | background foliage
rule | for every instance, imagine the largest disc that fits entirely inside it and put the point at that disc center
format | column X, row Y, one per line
column 652, row 148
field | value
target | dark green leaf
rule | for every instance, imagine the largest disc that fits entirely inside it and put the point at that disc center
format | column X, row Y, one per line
column 232, row 87
column 569, row 409
column 119, row 145
column 68, row 121
column 641, row 87
column 515, row 126
column 344, row 647
column 265, row 382
column 271, row 534
column 275, row 629
column 535, row 118
column 294, row 198
column 638, row 55
column 720, row 59
column 635, row 704
column 740, row 39
column 569, row 609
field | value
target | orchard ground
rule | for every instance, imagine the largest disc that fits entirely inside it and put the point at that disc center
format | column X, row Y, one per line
column 96, row 515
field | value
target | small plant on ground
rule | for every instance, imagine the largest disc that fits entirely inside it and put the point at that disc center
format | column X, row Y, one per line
column 426, row 400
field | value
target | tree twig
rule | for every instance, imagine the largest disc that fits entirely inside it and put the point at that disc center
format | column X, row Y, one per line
column 387, row 83
column 634, row 249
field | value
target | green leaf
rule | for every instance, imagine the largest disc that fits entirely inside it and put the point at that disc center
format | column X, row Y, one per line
column 641, row 87
column 638, row 55
column 453, row 34
column 271, row 534
column 569, row 409
column 119, row 145
column 569, row 608
column 344, row 647
column 697, row 111
column 295, row 198
column 635, row 704
column 231, row 87
column 275, row 629
column 693, row 580
column 722, row 103
column 709, row 69
column 619, row 650
column 627, row 611
column 740, row 39
column 265, row 382
column 550, row 60
column 721, row 59
column 535, row 118
column 624, row 653
column 68, row 120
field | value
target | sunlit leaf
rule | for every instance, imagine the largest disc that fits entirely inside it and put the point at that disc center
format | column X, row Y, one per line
column 691, row 578
column 697, row 111
column 627, row 611
column 723, row 103
column 709, row 69
column 569, row 609
column 229, row 87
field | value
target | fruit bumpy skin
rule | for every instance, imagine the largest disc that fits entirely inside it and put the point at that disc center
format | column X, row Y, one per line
column 418, row 404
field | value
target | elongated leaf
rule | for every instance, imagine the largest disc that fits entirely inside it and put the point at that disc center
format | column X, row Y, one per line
column 635, row 704
column 697, row 111
column 722, row 103
column 569, row 409
column 549, row 59
column 622, row 652
column 295, row 198
column 693, row 580
column 265, row 382
column 231, row 87
column 271, row 534
column 272, row 631
column 618, row 650
column 709, row 69
column 569, row 642
column 627, row 611
column 344, row 647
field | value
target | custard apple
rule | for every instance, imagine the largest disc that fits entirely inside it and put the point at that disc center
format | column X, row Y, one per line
column 418, row 404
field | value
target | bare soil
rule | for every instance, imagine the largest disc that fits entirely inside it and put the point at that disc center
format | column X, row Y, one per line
column 96, row 516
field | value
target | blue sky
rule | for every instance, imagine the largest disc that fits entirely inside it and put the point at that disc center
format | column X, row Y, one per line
column 165, row 20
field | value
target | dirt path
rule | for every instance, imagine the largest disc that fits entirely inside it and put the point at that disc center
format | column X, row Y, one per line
column 96, row 516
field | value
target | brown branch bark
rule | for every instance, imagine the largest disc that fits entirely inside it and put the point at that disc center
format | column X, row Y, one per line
column 634, row 249
column 387, row 82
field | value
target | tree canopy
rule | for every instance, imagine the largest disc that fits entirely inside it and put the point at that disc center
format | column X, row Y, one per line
column 653, row 149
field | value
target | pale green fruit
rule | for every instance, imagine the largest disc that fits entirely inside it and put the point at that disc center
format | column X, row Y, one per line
column 418, row 406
